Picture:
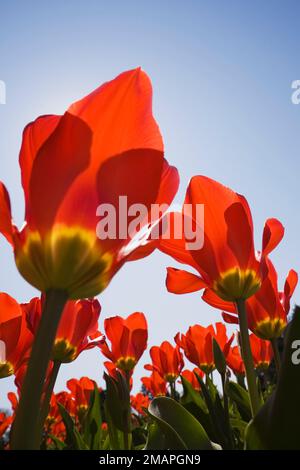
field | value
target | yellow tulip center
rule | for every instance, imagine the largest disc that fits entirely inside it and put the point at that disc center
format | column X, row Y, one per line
column 63, row 351
column 67, row 258
column 236, row 284
column 6, row 369
column 270, row 328
column 170, row 377
column 126, row 363
column 207, row 368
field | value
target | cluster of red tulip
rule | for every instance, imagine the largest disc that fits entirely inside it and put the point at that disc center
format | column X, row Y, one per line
column 105, row 146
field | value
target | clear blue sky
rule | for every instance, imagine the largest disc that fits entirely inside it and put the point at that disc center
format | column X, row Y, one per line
column 221, row 73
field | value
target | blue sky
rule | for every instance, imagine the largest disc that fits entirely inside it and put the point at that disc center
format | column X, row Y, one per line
column 221, row 73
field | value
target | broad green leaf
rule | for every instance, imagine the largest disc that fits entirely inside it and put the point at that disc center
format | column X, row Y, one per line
column 216, row 409
column 74, row 439
column 276, row 426
column 156, row 439
column 181, row 428
column 115, row 436
column 240, row 397
column 92, row 430
column 60, row 445
column 219, row 358
column 117, row 402
column 195, row 404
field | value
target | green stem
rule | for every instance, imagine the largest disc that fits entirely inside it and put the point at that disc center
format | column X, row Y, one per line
column 247, row 357
column 48, row 394
column 26, row 428
column 173, row 390
column 240, row 380
column 226, row 412
column 127, row 433
column 277, row 359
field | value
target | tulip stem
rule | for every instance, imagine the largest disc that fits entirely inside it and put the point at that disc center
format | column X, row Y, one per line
column 26, row 429
column 127, row 433
column 247, row 357
column 48, row 394
column 226, row 412
column 277, row 359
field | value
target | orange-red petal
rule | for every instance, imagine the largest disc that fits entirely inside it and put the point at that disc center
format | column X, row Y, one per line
column 179, row 281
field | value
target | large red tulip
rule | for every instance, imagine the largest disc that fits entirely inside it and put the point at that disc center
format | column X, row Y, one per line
column 106, row 145
column 227, row 263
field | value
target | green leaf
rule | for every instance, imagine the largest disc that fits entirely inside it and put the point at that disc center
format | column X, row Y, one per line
column 115, row 441
column 156, row 439
column 117, row 402
column 59, row 445
column 240, row 397
column 215, row 408
column 276, row 426
column 219, row 358
column 92, row 431
column 181, row 428
column 74, row 439
column 195, row 404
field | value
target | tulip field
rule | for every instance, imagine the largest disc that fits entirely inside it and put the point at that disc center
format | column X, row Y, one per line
column 242, row 391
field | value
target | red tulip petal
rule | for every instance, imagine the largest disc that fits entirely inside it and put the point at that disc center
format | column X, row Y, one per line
column 272, row 235
column 215, row 301
column 139, row 342
column 230, row 318
column 216, row 199
column 182, row 282
column 64, row 155
column 34, row 135
column 174, row 243
column 136, row 321
column 6, row 227
column 289, row 288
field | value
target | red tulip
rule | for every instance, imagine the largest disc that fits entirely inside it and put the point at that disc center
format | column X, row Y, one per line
column 167, row 360
column 234, row 361
column 15, row 337
column 262, row 352
column 5, row 422
column 190, row 376
column 140, row 401
column 77, row 330
column 268, row 309
column 155, row 384
column 227, row 263
column 81, row 391
column 54, row 423
column 67, row 400
column 105, row 146
column 14, row 400
column 197, row 344
column 128, row 338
